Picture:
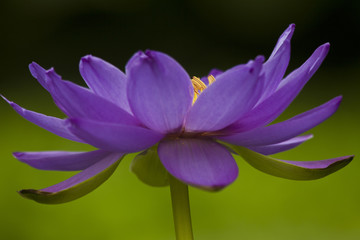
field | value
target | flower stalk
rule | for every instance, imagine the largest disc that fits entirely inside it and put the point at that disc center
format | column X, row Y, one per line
column 181, row 209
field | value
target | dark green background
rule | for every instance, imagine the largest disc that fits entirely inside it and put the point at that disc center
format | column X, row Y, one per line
column 200, row 35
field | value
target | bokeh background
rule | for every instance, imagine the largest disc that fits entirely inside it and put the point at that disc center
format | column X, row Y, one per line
column 200, row 35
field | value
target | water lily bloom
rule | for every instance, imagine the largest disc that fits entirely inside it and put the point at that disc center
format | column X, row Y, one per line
column 184, row 126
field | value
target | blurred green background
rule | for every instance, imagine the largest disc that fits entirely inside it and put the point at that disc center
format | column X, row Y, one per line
column 200, row 35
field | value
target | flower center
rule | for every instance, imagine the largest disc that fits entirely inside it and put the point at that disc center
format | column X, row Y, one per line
column 200, row 86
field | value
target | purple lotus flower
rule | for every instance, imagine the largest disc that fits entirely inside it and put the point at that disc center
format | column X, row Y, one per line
column 188, row 127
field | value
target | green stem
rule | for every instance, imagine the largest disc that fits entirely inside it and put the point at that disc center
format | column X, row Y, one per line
column 181, row 209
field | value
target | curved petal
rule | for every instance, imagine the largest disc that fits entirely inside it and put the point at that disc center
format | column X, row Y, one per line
column 285, row 36
column 159, row 90
column 274, row 68
column 114, row 137
column 78, row 185
column 43, row 75
column 40, row 74
column 198, row 162
column 148, row 168
column 295, row 170
column 61, row 161
column 105, row 80
column 51, row 124
column 77, row 101
column 281, row 147
column 225, row 100
column 269, row 109
column 287, row 129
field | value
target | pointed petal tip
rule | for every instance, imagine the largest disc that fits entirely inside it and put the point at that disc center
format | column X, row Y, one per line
column 17, row 154
column 148, row 55
column 149, row 52
column 36, row 70
column 86, row 58
column 338, row 99
column 16, row 107
column 33, row 193
column 324, row 47
column 50, row 71
column 137, row 59
column 260, row 59
column 290, row 31
column 254, row 66
column 308, row 137
column 33, row 65
column 52, row 75
column 7, row 100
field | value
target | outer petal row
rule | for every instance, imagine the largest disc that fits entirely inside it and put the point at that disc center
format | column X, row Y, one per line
column 61, row 161
column 295, row 170
column 108, row 136
column 105, row 80
column 281, row 147
column 274, row 68
column 52, row 124
column 269, row 109
column 287, row 129
column 78, row 185
column 114, row 137
column 80, row 102
column 76, row 101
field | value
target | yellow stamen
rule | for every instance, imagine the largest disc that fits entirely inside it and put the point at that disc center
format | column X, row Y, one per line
column 211, row 79
column 199, row 86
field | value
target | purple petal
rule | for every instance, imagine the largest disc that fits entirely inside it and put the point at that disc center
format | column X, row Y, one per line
column 78, row 185
column 287, row 129
column 295, row 170
column 77, row 101
column 320, row 164
column 215, row 72
column 274, row 105
column 114, row 137
column 86, row 174
column 43, row 75
column 285, row 36
column 61, row 161
column 105, row 80
column 198, row 162
column 159, row 89
column 224, row 101
column 281, row 147
column 40, row 74
column 52, row 124
column 274, row 68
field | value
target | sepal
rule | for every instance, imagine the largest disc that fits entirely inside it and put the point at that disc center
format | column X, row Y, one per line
column 149, row 169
